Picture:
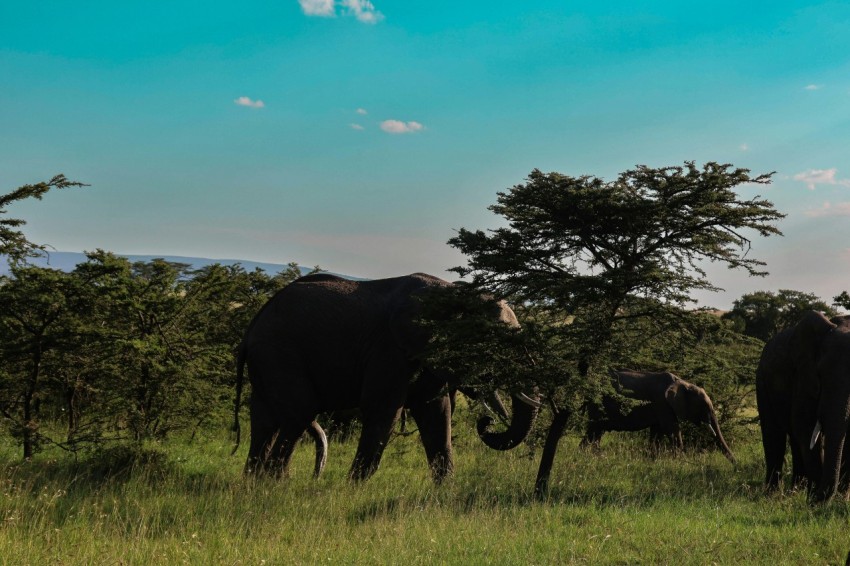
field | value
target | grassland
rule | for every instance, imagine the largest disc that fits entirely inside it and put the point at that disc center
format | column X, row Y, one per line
column 188, row 503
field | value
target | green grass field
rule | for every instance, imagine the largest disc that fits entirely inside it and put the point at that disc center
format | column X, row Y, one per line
column 188, row 503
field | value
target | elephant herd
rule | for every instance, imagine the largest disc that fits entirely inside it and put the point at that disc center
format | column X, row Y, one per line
column 325, row 343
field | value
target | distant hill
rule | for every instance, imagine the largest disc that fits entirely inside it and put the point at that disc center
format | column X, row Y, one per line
column 67, row 261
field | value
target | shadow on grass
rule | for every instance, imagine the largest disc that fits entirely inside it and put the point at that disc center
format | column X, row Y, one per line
column 109, row 468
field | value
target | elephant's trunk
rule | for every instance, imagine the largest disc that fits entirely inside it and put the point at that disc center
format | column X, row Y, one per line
column 525, row 410
column 718, row 438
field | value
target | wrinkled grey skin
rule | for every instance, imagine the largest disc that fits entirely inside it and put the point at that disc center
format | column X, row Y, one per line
column 324, row 343
column 803, row 378
column 668, row 400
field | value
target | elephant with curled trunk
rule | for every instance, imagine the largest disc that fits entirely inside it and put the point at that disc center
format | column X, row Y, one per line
column 663, row 400
column 324, row 343
column 803, row 395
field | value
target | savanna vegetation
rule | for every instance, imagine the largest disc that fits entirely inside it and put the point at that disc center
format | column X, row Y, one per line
column 116, row 397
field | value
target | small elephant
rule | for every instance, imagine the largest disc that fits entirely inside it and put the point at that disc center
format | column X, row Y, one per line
column 324, row 343
column 803, row 389
column 667, row 399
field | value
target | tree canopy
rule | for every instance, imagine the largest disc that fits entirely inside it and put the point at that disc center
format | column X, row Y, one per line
column 762, row 314
column 120, row 351
column 576, row 240
column 13, row 243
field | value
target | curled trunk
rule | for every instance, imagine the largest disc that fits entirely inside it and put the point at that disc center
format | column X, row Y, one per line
column 525, row 412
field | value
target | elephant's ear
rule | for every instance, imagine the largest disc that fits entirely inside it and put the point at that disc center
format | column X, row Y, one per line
column 675, row 395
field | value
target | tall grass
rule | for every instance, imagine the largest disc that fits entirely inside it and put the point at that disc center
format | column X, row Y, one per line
column 187, row 502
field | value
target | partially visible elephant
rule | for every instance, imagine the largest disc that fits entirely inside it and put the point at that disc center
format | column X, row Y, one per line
column 803, row 389
column 324, row 343
column 666, row 400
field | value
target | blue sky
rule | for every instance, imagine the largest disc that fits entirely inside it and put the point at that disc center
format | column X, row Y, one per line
column 359, row 136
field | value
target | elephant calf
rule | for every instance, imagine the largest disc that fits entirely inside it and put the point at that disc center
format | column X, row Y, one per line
column 667, row 398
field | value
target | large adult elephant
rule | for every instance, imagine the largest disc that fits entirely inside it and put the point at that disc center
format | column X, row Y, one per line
column 664, row 400
column 803, row 389
column 324, row 343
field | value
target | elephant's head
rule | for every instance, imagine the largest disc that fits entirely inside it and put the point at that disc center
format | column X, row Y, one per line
column 452, row 302
column 525, row 408
column 805, row 346
column 691, row 403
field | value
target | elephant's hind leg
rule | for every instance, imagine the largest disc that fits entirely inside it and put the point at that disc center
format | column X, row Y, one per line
column 283, row 406
column 264, row 433
column 283, row 447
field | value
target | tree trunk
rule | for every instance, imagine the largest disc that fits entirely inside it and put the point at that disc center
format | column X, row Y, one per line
column 29, row 398
column 559, row 422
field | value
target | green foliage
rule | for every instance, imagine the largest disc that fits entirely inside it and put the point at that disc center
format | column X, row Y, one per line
column 116, row 351
column 602, row 274
column 37, row 324
column 13, row 243
column 763, row 314
column 579, row 241
column 842, row 300
column 601, row 271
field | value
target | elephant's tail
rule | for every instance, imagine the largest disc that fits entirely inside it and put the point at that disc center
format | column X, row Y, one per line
column 240, row 374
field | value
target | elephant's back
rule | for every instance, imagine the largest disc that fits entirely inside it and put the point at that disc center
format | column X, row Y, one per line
column 312, row 306
column 327, row 308
column 642, row 385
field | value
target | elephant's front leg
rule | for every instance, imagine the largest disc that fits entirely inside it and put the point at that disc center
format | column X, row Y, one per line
column 434, row 419
column 377, row 426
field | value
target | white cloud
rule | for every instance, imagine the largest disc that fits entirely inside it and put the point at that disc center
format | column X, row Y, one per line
column 356, row 127
column 814, row 177
column 363, row 10
column 399, row 127
column 361, row 111
column 829, row 209
column 245, row 101
column 813, row 87
column 323, row 8
column 744, row 147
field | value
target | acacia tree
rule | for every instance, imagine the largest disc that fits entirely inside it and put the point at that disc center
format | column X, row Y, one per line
column 592, row 255
column 13, row 243
column 37, row 322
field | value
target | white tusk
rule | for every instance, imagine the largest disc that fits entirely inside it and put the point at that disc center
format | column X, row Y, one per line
column 815, row 435
column 714, row 434
column 529, row 401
